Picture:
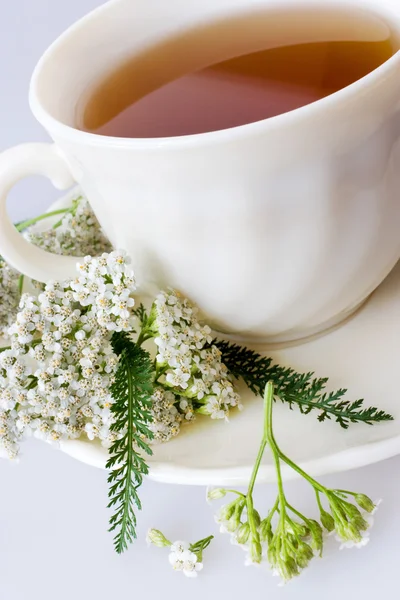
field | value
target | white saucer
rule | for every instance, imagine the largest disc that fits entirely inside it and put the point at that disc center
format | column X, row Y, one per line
column 362, row 355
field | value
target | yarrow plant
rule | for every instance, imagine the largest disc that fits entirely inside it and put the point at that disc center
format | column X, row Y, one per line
column 55, row 378
column 285, row 538
column 75, row 365
column 184, row 556
column 188, row 362
column 76, row 233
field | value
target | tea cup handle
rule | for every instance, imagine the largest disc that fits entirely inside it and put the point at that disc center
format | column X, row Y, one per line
column 16, row 163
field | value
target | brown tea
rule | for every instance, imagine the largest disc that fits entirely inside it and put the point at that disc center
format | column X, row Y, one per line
column 234, row 72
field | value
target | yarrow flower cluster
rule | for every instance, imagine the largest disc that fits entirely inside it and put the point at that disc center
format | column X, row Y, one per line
column 166, row 418
column 78, row 233
column 183, row 556
column 55, row 380
column 191, row 365
column 9, row 294
column 286, row 539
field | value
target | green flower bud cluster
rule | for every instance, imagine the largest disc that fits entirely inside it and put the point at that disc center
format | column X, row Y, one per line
column 286, row 539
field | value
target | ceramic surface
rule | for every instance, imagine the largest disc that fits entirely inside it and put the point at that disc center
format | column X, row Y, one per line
column 291, row 222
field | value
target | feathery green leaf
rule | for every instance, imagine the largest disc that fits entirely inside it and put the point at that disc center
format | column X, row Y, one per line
column 131, row 391
column 300, row 389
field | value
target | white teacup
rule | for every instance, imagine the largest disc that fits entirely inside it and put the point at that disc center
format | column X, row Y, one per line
column 277, row 230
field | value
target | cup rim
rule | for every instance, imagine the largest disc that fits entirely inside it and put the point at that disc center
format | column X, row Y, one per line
column 261, row 127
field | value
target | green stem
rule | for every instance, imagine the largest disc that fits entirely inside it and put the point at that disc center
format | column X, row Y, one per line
column 199, row 547
column 269, row 402
column 298, row 513
column 160, row 371
column 269, row 391
column 30, row 222
column 21, row 284
column 300, row 471
column 141, row 339
column 273, row 510
column 346, row 492
column 5, row 348
column 321, row 508
column 236, row 492
column 268, row 397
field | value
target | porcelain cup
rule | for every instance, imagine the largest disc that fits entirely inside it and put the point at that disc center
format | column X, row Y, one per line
column 278, row 229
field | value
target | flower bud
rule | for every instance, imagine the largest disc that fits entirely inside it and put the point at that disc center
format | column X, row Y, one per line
column 349, row 532
column 298, row 529
column 226, row 511
column 304, row 554
column 215, row 493
column 154, row 536
column 364, row 502
column 257, row 518
column 316, row 535
column 255, row 550
column 327, row 520
column 288, row 568
column 243, row 533
column 234, row 522
column 355, row 517
column 266, row 530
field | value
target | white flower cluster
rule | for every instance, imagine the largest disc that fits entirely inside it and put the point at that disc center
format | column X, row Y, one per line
column 166, row 419
column 192, row 366
column 181, row 558
column 9, row 295
column 55, row 380
column 77, row 234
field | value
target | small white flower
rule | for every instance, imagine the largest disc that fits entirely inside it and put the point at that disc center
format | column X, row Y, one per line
column 351, row 544
column 180, row 547
column 184, row 560
column 178, row 378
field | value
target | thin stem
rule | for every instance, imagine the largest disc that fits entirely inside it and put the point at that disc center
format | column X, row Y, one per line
column 269, row 402
column 160, row 371
column 140, row 339
column 300, row 471
column 249, row 496
column 273, row 510
column 236, row 492
column 321, row 508
column 30, row 222
column 5, row 348
column 20, row 284
column 269, row 391
column 298, row 513
column 346, row 492
column 199, row 547
column 143, row 337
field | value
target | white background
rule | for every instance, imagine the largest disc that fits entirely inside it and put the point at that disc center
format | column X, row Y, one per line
column 53, row 521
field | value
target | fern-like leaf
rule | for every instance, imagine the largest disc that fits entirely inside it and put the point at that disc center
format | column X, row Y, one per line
column 131, row 392
column 300, row 389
